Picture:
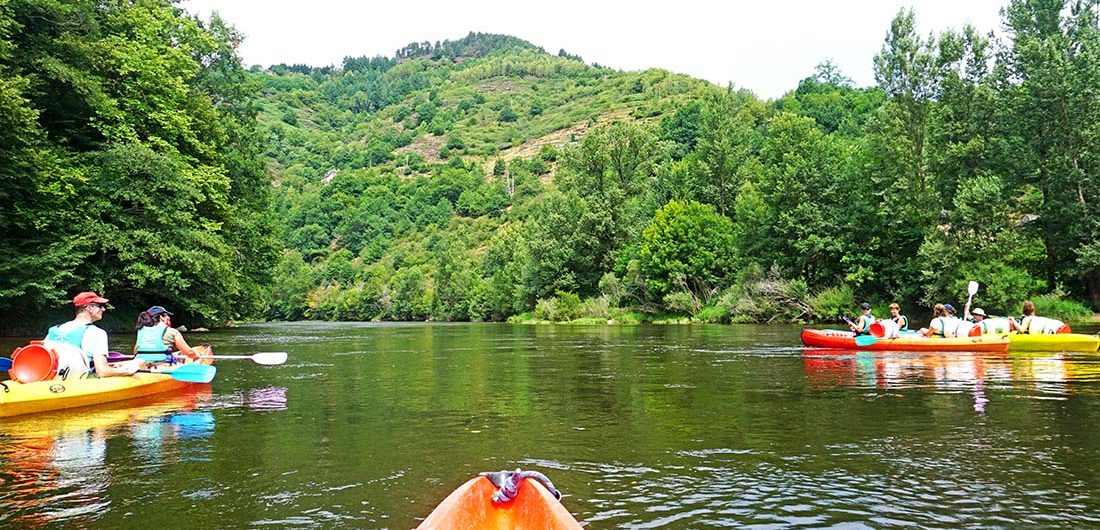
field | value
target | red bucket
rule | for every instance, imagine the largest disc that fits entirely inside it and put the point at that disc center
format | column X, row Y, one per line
column 33, row 362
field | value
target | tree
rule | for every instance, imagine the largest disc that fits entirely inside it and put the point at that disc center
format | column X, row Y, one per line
column 802, row 212
column 147, row 128
column 908, row 71
column 1050, row 76
column 688, row 246
column 727, row 140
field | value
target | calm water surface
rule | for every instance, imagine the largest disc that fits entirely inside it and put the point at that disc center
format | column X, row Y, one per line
column 371, row 425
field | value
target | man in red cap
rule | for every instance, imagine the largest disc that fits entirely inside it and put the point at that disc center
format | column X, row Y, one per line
column 90, row 340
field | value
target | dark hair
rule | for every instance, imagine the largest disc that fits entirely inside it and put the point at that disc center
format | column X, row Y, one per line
column 145, row 320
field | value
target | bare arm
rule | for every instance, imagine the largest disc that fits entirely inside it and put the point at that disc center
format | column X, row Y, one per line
column 181, row 346
column 106, row 369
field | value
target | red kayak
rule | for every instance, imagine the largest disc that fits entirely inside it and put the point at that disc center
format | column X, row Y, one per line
column 833, row 338
column 516, row 500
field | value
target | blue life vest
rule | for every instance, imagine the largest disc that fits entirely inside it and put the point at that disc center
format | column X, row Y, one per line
column 941, row 332
column 866, row 321
column 73, row 336
column 150, row 343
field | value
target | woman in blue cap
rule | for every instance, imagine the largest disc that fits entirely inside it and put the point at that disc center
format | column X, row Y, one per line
column 156, row 338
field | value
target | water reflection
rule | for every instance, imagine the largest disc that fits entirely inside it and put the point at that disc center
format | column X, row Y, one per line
column 54, row 467
column 269, row 398
column 1052, row 374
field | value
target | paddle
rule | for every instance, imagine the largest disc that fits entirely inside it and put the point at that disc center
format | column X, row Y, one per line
column 189, row 373
column 5, row 364
column 861, row 340
column 269, row 358
column 971, row 290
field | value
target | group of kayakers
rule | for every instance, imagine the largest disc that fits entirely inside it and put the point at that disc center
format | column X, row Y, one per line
column 945, row 322
column 81, row 346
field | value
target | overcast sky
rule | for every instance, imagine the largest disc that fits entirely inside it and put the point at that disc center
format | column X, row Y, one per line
column 764, row 46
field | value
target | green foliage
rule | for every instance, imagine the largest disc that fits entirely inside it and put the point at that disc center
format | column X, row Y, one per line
column 689, row 247
column 146, row 126
column 714, row 314
column 410, row 188
column 1055, row 305
column 832, row 303
column 765, row 296
column 568, row 307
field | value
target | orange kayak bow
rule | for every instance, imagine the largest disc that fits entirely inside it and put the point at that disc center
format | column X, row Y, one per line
column 506, row 500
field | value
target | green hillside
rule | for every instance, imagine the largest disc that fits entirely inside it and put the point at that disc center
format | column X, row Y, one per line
column 383, row 164
column 485, row 179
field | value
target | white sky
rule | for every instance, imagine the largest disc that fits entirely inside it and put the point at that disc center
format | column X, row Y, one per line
column 767, row 46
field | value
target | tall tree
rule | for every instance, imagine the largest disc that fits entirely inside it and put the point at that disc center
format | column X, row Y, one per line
column 727, row 140
column 1050, row 75
column 908, row 70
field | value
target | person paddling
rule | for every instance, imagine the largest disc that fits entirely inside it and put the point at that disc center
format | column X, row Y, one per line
column 90, row 340
column 901, row 320
column 987, row 325
column 156, row 338
column 862, row 326
column 1036, row 325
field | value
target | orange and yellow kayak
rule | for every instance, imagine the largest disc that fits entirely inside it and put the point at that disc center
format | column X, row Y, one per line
column 833, row 338
column 472, row 507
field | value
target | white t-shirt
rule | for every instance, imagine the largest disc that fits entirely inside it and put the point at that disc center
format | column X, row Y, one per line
column 95, row 342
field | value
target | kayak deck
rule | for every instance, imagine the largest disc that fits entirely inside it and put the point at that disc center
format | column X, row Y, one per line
column 1060, row 342
column 470, row 507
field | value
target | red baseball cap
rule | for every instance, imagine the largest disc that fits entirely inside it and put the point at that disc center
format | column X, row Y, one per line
column 88, row 297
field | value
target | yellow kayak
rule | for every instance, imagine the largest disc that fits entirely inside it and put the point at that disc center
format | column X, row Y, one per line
column 1057, row 342
column 17, row 398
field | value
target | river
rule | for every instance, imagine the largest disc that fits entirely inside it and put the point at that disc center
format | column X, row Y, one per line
column 707, row 426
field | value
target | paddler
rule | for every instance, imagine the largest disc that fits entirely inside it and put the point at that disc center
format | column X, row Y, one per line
column 156, row 338
column 862, row 326
column 1036, row 325
column 81, row 335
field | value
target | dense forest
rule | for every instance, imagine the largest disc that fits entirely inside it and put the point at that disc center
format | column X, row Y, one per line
column 484, row 178
column 130, row 163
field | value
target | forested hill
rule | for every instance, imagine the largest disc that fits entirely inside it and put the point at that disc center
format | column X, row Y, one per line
column 484, row 178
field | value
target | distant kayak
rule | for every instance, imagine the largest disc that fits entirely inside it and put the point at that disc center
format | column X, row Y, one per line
column 833, row 338
column 478, row 504
column 1076, row 342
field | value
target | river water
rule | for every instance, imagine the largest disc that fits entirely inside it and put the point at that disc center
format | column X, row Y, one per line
column 371, row 425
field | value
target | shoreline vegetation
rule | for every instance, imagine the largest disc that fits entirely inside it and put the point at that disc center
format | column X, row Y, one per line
column 829, row 307
column 487, row 179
